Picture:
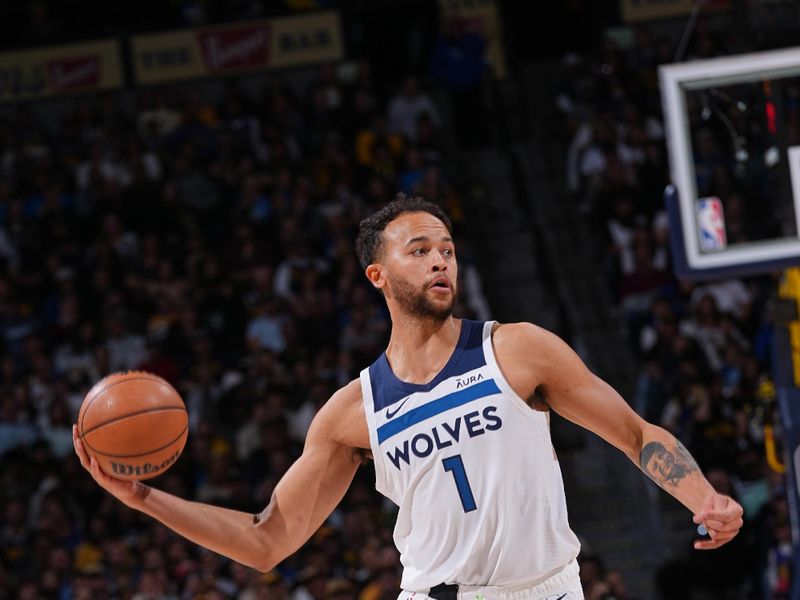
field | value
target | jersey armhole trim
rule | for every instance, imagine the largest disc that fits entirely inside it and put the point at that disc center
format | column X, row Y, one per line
column 505, row 387
column 369, row 412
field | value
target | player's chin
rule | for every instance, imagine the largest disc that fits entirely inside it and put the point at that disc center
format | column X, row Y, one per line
column 439, row 308
column 445, row 294
column 442, row 301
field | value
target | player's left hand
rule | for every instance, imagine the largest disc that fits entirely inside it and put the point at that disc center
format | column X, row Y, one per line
column 722, row 517
column 128, row 492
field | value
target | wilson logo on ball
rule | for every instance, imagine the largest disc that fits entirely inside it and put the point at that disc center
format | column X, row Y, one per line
column 145, row 469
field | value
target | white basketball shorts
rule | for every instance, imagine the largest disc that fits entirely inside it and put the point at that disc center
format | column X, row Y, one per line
column 563, row 585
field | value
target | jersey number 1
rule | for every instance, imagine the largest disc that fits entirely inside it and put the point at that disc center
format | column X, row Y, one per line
column 455, row 465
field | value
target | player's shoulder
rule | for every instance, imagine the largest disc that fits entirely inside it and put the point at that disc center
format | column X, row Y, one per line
column 344, row 401
column 521, row 334
column 526, row 343
column 349, row 393
column 341, row 418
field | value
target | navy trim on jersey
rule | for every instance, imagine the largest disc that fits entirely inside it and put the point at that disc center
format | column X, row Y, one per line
column 388, row 389
column 435, row 407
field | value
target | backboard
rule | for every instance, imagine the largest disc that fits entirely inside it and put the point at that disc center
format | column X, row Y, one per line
column 733, row 136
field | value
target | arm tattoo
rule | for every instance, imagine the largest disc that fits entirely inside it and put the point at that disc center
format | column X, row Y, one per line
column 665, row 467
column 141, row 491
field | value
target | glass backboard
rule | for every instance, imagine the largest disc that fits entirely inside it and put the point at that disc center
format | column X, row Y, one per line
column 733, row 133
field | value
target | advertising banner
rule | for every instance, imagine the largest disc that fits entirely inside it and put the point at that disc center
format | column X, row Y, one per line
column 305, row 40
column 236, row 48
column 58, row 70
column 165, row 57
column 240, row 48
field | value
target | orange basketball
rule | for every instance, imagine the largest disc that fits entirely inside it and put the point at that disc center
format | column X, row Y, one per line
column 135, row 424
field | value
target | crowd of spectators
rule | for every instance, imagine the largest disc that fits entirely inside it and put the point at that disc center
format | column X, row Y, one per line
column 704, row 348
column 209, row 241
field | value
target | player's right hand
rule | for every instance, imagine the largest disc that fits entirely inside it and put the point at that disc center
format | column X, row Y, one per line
column 127, row 492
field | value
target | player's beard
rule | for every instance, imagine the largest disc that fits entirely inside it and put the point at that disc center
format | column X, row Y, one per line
column 415, row 302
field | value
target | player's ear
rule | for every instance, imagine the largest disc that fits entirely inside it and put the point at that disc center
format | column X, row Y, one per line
column 374, row 273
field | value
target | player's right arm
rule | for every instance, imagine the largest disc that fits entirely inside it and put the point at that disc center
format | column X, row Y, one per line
column 535, row 359
column 304, row 497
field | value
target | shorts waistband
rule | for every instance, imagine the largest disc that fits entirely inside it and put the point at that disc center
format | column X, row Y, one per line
column 534, row 589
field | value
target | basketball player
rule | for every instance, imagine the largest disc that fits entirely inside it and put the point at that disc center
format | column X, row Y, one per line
column 454, row 415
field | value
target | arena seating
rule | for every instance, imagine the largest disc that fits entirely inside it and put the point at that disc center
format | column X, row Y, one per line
column 210, row 242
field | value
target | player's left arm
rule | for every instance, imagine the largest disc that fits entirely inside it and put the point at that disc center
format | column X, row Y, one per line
column 534, row 359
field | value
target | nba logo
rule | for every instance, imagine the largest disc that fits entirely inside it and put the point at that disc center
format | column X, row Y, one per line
column 711, row 224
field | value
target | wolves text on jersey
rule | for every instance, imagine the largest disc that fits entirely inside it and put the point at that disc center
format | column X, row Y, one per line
column 469, row 425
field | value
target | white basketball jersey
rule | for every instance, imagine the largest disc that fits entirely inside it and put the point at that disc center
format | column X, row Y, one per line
column 472, row 469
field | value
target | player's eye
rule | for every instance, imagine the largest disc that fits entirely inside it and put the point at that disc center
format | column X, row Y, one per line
column 448, row 252
column 418, row 252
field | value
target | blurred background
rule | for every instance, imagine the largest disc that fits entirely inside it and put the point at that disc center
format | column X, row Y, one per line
column 180, row 186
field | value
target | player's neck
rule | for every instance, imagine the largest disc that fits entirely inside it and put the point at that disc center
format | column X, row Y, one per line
column 419, row 348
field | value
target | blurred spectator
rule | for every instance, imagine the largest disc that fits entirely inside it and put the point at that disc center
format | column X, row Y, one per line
column 265, row 330
column 458, row 62
column 406, row 108
column 458, row 58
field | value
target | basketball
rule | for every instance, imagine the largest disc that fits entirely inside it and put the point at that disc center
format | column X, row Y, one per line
column 135, row 424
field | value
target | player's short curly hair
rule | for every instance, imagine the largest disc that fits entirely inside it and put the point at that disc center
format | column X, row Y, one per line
column 370, row 230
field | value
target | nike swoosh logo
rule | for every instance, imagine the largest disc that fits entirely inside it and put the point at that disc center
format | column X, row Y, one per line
column 562, row 596
column 390, row 414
